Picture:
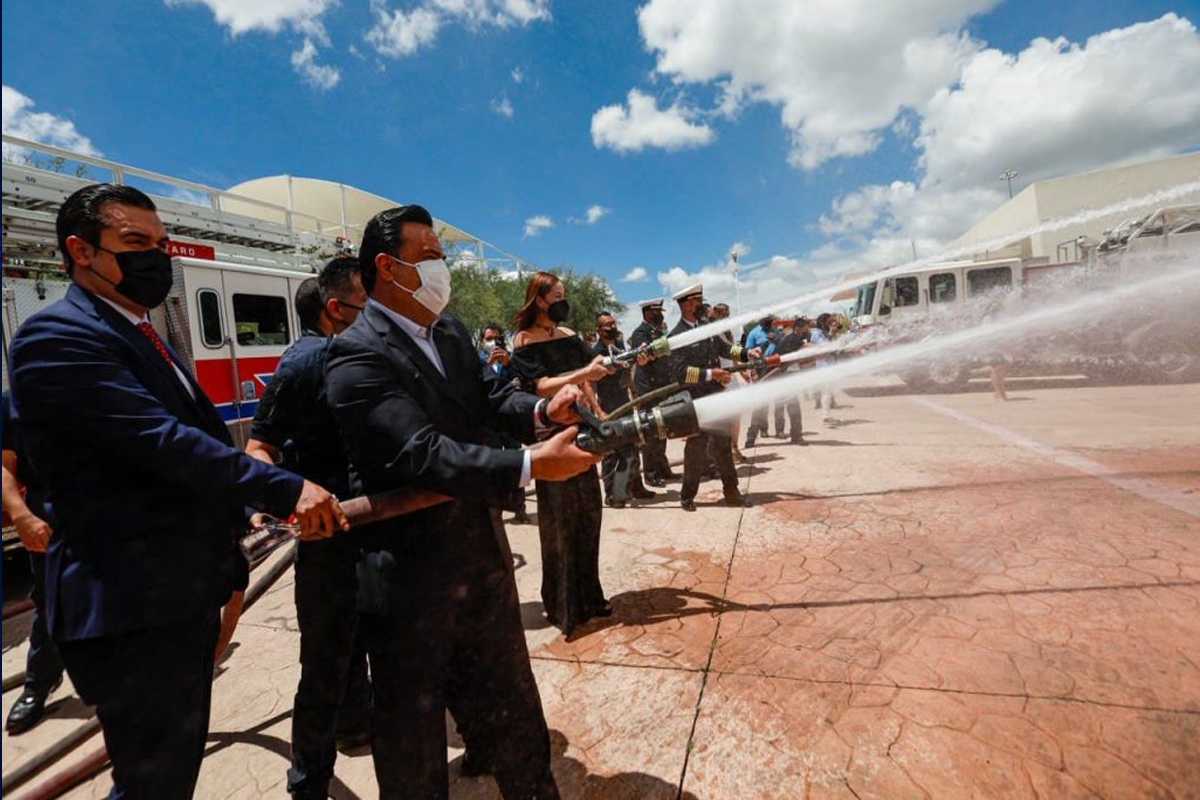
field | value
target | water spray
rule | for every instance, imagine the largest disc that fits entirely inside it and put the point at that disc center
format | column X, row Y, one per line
column 1153, row 199
column 714, row 409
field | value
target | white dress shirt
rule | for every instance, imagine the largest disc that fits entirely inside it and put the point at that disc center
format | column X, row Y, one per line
column 135, row 320
column 423, row 339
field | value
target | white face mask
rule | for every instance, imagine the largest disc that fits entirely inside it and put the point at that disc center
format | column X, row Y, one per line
column 434, row 291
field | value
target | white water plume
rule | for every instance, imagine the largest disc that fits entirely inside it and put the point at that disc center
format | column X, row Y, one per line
column 1180, row 283
column 1153, row 199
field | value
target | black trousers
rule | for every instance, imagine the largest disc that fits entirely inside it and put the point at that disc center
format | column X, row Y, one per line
column 466, row 650
column 696, row 453
column 334, row 694
column 43, row 664
column 152, row 690
column 654, row 459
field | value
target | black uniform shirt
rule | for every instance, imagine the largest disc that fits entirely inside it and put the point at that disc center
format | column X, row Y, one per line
column 690, row 365
column 293, row 416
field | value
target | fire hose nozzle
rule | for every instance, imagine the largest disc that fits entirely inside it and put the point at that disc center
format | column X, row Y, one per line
column 656, row 349
column 757, row 364
column 674, row 418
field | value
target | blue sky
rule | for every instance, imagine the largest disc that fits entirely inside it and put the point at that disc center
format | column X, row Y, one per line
column 826, row 179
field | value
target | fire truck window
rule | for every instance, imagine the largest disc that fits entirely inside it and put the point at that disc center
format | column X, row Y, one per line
column 942, row 288
column 906, row 292
column 210, row 317
column 984, row 281
column 260, row 320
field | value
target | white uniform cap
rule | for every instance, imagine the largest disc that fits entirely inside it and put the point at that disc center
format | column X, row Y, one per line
column 690, row 291
column 657, row 301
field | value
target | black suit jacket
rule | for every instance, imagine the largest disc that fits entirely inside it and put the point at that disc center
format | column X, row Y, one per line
column 406, row 425
column 146, row 489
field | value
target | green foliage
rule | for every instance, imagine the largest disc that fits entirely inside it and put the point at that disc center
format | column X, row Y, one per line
column 479, row 296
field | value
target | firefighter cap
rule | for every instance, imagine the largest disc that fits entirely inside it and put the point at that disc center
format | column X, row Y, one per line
column 695, row 290
column 655, row 302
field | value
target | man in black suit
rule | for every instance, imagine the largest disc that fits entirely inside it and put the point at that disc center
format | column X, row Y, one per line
column 146, row 490
column 437, row 599
column 697, row 368
column 293, row 422
column 647, row 378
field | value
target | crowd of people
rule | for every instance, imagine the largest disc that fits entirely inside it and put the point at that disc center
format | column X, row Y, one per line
column 135, row 496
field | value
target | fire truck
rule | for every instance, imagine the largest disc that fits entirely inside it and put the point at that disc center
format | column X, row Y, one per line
column 1157, row 343
column 238, row 261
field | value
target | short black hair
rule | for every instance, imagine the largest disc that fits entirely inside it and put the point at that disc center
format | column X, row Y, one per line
column 603, row 314
column 337, row 278
column 491, row 326
column 384, row 234
column 82, row 214
column 309, row 304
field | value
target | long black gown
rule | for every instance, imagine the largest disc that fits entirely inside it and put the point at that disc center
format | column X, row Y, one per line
column 569, row 511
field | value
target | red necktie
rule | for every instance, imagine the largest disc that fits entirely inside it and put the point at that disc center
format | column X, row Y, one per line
column 152, row 335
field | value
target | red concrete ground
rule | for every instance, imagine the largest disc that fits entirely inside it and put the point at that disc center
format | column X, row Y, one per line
column 942, row 597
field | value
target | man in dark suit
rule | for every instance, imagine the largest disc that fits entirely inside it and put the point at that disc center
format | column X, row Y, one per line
column 146, row 490
column 293, row 422
column 647, row 378
column 438, row 602
column 697, row 368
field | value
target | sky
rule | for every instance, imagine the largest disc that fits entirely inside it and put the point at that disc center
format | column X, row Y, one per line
column 644, row 141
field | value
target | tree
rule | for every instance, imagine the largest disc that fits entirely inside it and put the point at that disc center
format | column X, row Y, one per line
column 479, row 296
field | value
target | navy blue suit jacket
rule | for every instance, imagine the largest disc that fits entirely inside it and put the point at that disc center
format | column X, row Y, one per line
column 146, row 488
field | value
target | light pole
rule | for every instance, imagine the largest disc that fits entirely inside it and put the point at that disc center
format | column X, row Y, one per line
column 737, row 282
column 1008, row 176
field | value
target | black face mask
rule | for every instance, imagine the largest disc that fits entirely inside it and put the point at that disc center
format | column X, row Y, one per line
column 558, row 311
column 656, row 319
column 146, row 275
column 608, row 333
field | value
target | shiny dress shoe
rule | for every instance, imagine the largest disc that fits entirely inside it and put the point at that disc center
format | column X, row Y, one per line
column 644, row 494
column 614, row 503
column 800, row 440
column 521, row 518
column 737, row 501
column 687, row 505
column 27, row 711
column 655, row 481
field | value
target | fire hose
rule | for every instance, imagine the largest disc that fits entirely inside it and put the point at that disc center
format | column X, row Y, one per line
column 673, row 418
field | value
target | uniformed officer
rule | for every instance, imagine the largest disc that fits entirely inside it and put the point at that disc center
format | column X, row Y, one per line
column 697, row 367
column 655, row 467
column 293, row 421
column 620, row 470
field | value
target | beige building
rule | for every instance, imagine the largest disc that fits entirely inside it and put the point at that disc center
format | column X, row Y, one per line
column 1073, row 196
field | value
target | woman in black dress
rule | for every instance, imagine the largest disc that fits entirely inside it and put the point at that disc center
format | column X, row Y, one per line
column 546, row 357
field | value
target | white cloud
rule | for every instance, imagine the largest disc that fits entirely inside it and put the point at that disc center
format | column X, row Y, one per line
column 593, row 215
column 739, row 249
column 643, row 124
column 535, row 225
column 636, row 274
column 270, row 16
column 518, row 75
column 1058, row 107
column 398, row 33
column 502, row 106
column 319, row 76
column 840, row 73
column 39, row 126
